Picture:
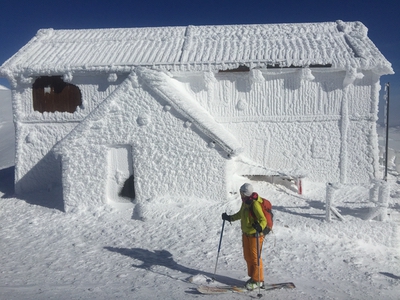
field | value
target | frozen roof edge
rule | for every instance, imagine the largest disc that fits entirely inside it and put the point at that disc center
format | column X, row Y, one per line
column 349, row 29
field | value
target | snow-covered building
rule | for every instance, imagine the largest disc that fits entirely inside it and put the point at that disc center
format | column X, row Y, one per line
column 180, row 111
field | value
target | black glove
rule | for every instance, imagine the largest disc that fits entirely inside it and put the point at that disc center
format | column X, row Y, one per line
column 226, row 217
column 257, row 227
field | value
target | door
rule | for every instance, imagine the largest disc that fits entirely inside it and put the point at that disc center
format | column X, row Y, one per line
column 120, row 183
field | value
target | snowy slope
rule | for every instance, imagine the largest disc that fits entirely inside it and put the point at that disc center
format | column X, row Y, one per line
column 47, row 254
column 114, row 254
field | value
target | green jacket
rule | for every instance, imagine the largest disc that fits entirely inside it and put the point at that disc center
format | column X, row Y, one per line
column 246, row 220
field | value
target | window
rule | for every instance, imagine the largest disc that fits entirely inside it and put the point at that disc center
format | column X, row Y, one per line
column 51, row 93
column 241, row 68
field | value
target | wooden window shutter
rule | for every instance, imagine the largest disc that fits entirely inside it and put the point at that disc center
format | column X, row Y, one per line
column 51, row 93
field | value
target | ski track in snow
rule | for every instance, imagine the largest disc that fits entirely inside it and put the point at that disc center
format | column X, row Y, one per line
column 47, row 254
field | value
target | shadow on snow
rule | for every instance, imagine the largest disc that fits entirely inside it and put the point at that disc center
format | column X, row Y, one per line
column 50, row 198
column 165, row 259
column 317, row 210
column 7, row 182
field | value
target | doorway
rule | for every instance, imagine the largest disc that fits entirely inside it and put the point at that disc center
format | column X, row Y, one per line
column 120, row 179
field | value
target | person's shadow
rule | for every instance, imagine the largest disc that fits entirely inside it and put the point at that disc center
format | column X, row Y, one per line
column 164, row 258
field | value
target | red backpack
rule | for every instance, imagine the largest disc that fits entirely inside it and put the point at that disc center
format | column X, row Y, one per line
column 267, row 210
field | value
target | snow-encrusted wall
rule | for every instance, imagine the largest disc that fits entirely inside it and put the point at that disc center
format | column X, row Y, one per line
column 36, row 168
column 311, row 121
column 37, row 133
column 314, row 122
column 170, row 156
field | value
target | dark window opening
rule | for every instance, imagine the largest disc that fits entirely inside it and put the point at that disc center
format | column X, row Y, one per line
column 278, row 66
column 51, row 93
column 241, row 68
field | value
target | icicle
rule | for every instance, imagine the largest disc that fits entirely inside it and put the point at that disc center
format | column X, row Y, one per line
column 306, row 74
column 25, row 80
column 256, row 76
column 209, row 79
column 134, row 79
column 68, row 77
column 351, row 76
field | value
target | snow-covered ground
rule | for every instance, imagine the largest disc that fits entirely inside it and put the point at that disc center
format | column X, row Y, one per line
column 114, row 254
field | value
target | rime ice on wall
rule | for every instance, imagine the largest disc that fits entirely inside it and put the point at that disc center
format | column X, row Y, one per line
column 94, row 90
column 173, row 92
column 169, row 158
column 293, row 120
column 37, row 133
column 40, row 169
column 288, row 122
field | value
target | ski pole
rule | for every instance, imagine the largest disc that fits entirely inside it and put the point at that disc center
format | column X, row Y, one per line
column 258, row 264
column 219, row 248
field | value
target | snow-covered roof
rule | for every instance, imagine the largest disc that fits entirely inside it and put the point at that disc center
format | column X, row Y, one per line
column 338, row 44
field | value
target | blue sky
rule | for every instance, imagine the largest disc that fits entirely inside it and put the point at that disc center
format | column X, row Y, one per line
column 20, row 20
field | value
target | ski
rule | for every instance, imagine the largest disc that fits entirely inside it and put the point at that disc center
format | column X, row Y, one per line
column 210, row 290
column 277, row 286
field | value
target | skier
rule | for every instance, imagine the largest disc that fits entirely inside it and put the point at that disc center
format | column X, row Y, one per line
column 253, row 222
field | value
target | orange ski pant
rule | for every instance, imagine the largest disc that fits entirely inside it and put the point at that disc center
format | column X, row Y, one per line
column 251, row 258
